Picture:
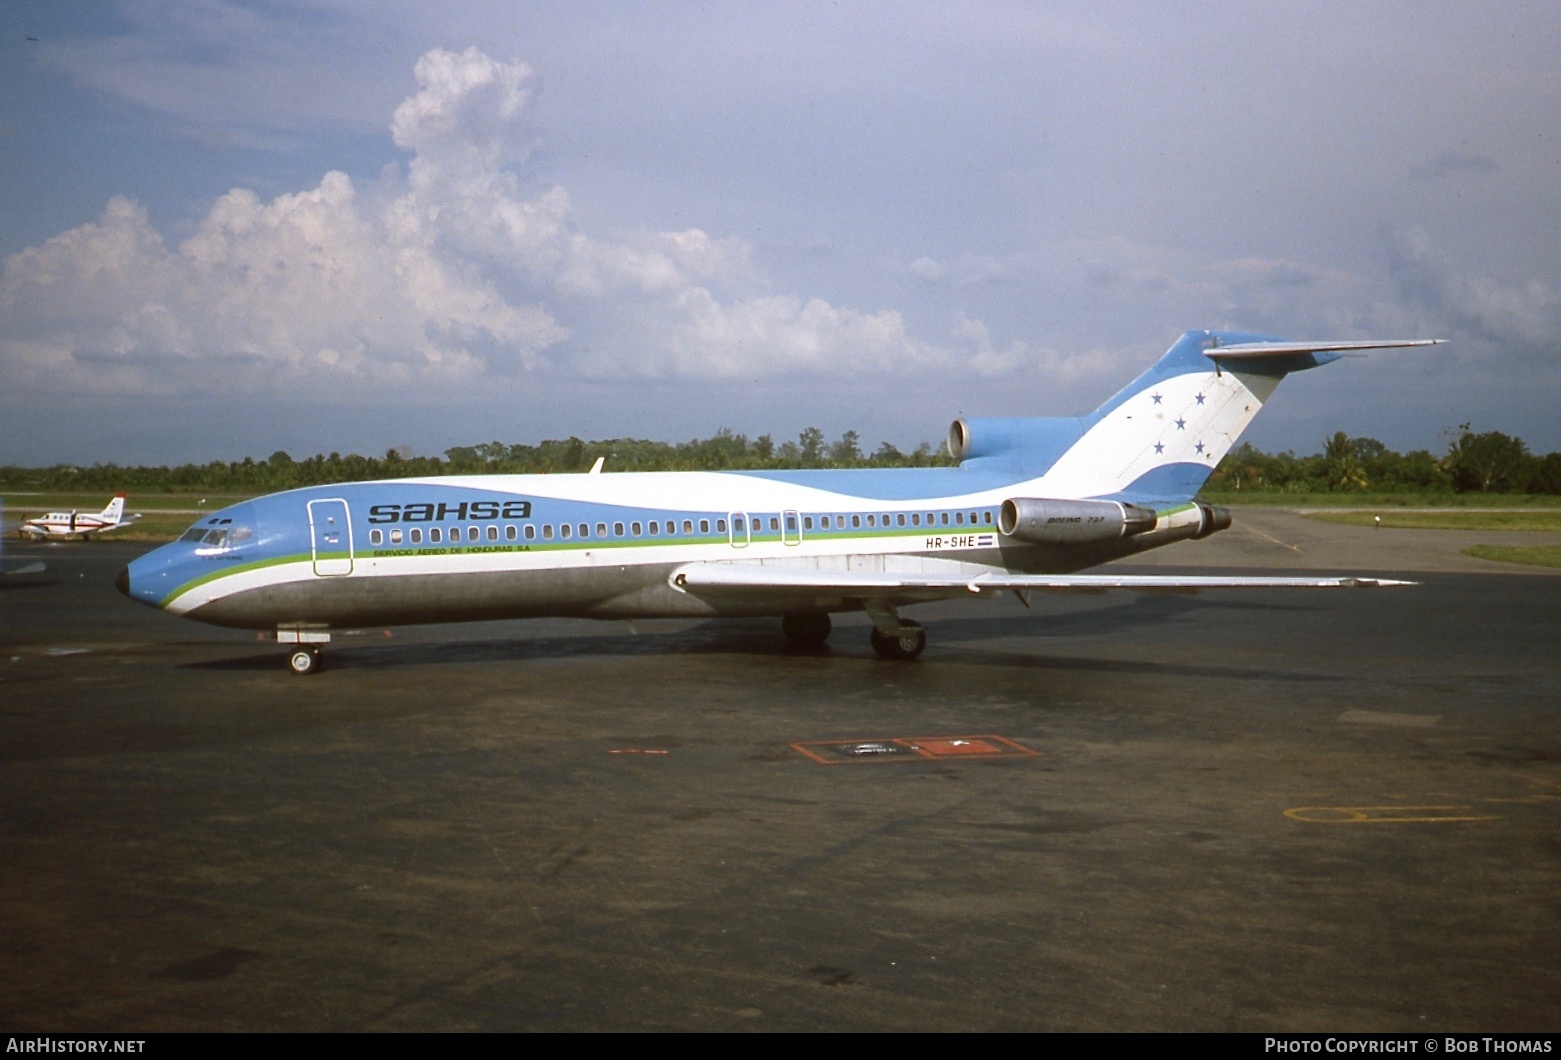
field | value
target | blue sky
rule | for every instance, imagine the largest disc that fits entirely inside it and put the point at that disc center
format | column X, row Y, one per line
column 228, row 229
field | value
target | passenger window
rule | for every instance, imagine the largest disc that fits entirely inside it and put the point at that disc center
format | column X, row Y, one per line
column 531, row 532
column 547, row 531
column 493, row 533
column 376, row 537
column 473, row 534
column 434, row 535
column 510, row 533
column 655, row 528
column 900, row 519
column 688, row 526
column 635, row 526
column 585, row 529
column 415, row 536
column 871, row 521
column 959, row 517
column 617, row 529
column 807, row 522
column 395, row 537
column 945, row 518
column 720, row 526
column 856, row 521
column 565, row 530
column 915, row 518
column 774, row 524
column 737, row 525
column 704, row 526
column 601, row 529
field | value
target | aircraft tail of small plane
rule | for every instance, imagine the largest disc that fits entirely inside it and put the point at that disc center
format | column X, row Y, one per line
column 1160, row 437
column 115, row 512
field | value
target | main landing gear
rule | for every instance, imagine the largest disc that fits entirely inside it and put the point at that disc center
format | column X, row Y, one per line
column 902, row 645
column 892, row 637
column 807, row 630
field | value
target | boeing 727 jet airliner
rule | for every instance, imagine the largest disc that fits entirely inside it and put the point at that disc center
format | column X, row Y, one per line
column 1032, row 501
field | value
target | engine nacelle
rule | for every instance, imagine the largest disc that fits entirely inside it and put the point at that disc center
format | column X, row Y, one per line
column 1214, row 520
column 1038, row 438
column 1058, row 522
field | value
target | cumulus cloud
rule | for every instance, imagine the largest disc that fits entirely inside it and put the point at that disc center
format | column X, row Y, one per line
column 448, row 271
column 1521, row 320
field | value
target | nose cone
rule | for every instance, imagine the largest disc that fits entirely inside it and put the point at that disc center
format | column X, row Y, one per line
column 122, row 583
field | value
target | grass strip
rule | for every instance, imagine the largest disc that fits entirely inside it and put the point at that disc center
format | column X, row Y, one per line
column 1404, row 519
column 1532, row 555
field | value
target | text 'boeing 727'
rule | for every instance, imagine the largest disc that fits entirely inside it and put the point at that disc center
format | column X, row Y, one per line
column 1032, row 502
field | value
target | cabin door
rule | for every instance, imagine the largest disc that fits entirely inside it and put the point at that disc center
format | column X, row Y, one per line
column 330, row 537
column 739, row 535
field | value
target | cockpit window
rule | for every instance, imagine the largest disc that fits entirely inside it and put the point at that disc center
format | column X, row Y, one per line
column 222, row 537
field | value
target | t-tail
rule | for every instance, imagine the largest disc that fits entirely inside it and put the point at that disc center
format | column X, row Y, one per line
column 115, row 511
column 1159, row 438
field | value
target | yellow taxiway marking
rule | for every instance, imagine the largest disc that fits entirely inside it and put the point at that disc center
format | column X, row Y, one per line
column 1385, row 814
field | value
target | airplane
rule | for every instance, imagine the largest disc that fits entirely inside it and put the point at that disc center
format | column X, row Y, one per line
column 74, row 525
column 1031, row 503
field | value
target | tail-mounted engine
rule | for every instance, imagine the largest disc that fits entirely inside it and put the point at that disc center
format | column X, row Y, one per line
column 1214, row 520
column 1057, row 522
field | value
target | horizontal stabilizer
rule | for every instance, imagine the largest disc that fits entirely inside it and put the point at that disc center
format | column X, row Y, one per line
column 1248, row 350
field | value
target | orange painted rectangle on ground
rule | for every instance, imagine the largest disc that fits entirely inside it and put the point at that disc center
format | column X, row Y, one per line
column 974, row 746
column 911, row 749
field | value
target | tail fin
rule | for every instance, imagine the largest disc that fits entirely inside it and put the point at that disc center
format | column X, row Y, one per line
column 1160, row 437
column 115, row 510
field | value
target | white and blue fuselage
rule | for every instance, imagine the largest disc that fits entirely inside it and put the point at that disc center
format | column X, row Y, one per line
column 1031, row 502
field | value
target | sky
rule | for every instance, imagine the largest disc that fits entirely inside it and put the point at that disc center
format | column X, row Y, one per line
column 229, row 229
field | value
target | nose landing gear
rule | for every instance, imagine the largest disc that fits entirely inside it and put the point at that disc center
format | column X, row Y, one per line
column 303, row 655
column 304, row 661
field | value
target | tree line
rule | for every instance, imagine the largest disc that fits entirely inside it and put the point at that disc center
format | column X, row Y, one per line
column 1489, row 462
column 725, row 451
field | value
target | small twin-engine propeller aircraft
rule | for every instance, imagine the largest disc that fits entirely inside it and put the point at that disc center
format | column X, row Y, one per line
column 68, row 526
column 1032, row 501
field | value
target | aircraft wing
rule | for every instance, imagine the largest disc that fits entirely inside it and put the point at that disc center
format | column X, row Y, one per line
column 756, row 582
